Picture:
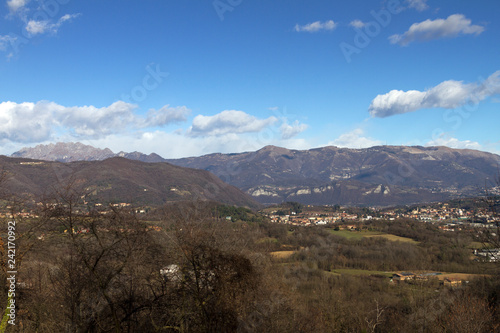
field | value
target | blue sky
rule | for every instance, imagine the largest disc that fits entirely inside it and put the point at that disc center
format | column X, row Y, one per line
column 187, row 78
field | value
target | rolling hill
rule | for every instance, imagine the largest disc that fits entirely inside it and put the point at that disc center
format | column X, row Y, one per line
column 118, row 179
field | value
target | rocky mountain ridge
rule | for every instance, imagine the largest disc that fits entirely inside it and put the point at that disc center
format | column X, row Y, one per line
column 381, row 175
column 76, row 151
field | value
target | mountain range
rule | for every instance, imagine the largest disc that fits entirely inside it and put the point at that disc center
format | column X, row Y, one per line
column 76, row 151
column 380, row 176
column 117, row 180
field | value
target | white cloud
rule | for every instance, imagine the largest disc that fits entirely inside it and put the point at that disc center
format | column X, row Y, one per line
column 229, row 121
column 487, row 88
column 419, row 5
column 167, row 145
column 25, row 122
column 93, row 122
column 166, row 115
column 453, row 26
column 36, row 122
column 35, row 27
column 354, row 139
column 180, row 145
column 445, row 140
column 67, row 17
column 448, row 94
column 15, row 5
column 29, row 14
column 357, row 24
column 118, row 127
column 316, row 26
column 6, row 39
column 289, row 131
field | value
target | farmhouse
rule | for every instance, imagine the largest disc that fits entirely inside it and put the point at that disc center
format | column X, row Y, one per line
column 403, row 276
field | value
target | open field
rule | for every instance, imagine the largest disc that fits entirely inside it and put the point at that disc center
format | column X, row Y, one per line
column 348, row 271
column 267, row 240
column 459, row 276
column 442, row 276
column 353, row 234
column 282, row 254
column 479, row 245
column 361, row 234
column 395, row 238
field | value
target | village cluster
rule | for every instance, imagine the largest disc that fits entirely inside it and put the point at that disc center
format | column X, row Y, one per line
column 447, row 217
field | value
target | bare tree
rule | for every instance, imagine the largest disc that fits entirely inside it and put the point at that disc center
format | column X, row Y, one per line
column 376, row 319
column 468, row 314
column 100, row 271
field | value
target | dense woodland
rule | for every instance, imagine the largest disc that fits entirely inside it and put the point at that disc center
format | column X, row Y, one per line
column 85, row 271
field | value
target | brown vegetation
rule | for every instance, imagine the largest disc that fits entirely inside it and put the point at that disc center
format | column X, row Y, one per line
column 94, row 272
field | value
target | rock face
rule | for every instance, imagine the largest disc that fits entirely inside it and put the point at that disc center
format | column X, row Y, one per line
column 71, row 152
column 383, row 175
column 65, row 152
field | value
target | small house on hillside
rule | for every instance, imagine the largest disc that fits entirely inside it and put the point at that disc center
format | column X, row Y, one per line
column 403, row 276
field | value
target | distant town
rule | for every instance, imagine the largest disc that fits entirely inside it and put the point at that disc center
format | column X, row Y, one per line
column 450, row 218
